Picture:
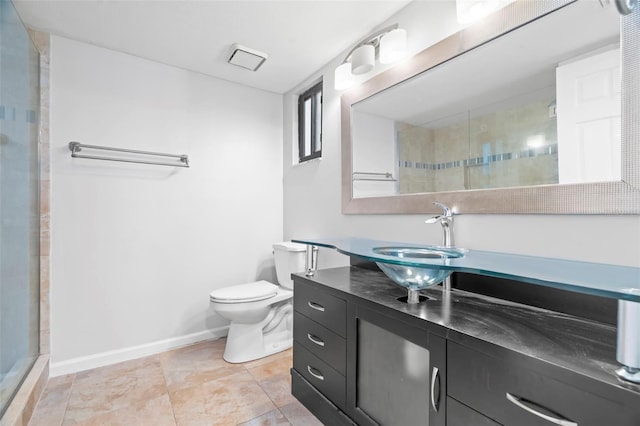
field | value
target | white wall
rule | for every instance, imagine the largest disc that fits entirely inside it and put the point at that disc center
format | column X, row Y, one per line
column 136, row 249
column 376, row 154
column 312, row 199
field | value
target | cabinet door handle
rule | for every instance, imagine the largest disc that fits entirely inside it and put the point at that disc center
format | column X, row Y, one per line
column 315, row 339
column 312, row 371
column 435, row 376
column 316, row 306
column 518, row 401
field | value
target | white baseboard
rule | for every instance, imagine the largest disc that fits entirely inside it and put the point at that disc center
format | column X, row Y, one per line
column 75, row 365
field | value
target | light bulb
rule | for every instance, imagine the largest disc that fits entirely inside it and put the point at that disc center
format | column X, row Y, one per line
column 393, row 46
column 343, row 79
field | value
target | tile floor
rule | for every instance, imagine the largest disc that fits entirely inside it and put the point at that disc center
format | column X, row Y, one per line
column 190, row 386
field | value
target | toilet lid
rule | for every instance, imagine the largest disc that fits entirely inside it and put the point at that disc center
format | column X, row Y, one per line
column 250, row 292
column 289, row 246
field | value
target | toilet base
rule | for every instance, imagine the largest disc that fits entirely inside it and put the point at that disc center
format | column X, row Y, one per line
column 247, row 342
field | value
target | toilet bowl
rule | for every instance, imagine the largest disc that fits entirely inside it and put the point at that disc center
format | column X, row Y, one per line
column 261, row 313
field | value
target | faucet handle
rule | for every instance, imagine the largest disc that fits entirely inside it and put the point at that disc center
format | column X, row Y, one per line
column 447, row 211
column 433, row 219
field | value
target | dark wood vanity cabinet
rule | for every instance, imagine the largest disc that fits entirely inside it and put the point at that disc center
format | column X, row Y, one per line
column 362, row 357
column 373, row 368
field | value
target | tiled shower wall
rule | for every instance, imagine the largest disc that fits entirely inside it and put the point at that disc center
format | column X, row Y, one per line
column 415, row 145
column 41, row 40
column 493, row 150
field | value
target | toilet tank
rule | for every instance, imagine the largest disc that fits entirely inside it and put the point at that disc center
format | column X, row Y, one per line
column 289, row 257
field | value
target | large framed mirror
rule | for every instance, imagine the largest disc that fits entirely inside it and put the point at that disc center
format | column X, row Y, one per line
column 533, row 110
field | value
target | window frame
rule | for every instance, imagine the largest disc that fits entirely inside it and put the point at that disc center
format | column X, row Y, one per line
column 314, row 132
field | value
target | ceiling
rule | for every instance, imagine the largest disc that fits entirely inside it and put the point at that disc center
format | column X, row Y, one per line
column 300, row 36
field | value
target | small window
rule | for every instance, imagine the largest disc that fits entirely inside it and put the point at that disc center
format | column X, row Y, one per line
column 310, row 123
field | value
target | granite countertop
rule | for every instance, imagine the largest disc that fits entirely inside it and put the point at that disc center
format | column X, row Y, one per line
column 583, row 346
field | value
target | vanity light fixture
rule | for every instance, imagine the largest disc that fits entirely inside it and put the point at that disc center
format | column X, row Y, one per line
column 469, row 11
column 388, row 44
column 393, row 46
column 343, row 77
column 363, row 59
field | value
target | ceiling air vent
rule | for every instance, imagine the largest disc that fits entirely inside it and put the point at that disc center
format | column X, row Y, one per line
column 245, row 57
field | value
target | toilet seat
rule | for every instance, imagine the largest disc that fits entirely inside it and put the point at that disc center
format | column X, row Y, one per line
column 251, row 292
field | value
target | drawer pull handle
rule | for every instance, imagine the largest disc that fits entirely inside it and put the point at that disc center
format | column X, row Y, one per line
column 312, row 371
column 316, row 306
column 517, row 401
column 315, row 339
column 435, row 376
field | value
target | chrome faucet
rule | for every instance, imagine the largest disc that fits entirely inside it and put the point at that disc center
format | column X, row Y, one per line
column 446, row 220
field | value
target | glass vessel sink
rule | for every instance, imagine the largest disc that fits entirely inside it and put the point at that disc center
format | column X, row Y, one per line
column 420, row 252
column 415, row 278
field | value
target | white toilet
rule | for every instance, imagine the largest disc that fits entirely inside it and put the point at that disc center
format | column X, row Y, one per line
column 261, row 313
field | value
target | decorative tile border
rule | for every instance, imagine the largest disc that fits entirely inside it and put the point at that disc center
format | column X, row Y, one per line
column 484, row 160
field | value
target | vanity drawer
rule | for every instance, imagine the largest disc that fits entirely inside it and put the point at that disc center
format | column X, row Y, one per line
column 460, row 415
column 509, row 392
column 327, row 380
column 320, row 341
column 323, row 308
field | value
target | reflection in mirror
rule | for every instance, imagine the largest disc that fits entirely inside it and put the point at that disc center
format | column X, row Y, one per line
column 537, row 106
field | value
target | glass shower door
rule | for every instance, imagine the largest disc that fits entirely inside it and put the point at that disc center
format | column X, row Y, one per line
column 19, row 208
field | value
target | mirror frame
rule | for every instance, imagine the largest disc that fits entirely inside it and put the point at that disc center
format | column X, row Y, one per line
column 620, row 197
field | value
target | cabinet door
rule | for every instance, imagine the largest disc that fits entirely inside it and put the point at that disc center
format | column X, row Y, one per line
column 398, row 373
